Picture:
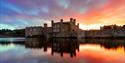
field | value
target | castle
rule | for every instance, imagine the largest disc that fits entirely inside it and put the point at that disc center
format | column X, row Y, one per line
column 57, row 29
column 66, row 29
column 106, row 31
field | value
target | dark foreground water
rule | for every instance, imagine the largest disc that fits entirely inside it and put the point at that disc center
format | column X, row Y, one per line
column 37, row 50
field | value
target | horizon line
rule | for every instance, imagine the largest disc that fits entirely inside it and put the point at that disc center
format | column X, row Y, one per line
column 50, row 26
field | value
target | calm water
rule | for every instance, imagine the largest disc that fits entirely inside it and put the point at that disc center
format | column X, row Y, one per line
column 37, row 50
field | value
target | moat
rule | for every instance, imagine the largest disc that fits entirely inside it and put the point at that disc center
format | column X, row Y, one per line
column 38, row 50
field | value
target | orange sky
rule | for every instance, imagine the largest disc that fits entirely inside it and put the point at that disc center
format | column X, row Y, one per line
column 111, row 12
column 108, row 12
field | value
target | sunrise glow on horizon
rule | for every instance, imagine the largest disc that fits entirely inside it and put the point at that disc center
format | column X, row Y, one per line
column 91, row 14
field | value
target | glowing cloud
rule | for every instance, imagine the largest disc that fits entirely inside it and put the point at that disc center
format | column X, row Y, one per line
column 89, row 13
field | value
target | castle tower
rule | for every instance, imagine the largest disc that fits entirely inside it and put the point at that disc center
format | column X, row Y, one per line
column 78, row 25
column 74, row 21
column 72, row 24
column 71, row 19
column 61, row 25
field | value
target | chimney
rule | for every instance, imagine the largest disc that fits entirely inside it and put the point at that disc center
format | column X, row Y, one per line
column 45, row 25
column 52, row 21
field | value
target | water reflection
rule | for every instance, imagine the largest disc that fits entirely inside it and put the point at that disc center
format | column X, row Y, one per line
column 38, row 50
column 62, row 45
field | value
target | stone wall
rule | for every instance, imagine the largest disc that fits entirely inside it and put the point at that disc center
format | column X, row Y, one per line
column 33, row 31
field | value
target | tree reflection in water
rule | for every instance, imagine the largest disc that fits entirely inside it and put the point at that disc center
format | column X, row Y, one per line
column 107, row 43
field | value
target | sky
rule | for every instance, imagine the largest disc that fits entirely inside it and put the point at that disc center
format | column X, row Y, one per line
column 91, row 14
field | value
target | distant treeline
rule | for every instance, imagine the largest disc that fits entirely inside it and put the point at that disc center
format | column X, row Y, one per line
column 12, row 33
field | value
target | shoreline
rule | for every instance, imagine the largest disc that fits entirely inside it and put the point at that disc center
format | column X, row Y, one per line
column 113, row 37
column 3, row 36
